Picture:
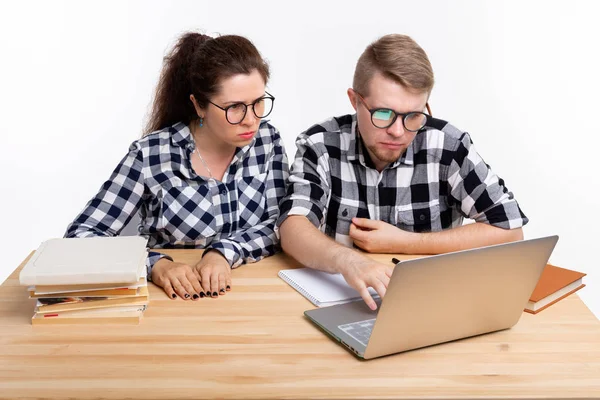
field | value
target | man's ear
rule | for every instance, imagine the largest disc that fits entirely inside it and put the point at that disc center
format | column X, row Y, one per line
column 353, row 98
column 199, row 111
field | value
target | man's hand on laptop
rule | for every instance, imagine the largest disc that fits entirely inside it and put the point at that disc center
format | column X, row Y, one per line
column 368, row 273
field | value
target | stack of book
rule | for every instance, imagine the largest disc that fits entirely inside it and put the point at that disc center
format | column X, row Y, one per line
column 88, row 280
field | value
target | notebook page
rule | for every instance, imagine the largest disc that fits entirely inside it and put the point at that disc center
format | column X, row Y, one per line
column 321, row 288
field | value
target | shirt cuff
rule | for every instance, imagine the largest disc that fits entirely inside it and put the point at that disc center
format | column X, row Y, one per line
column 152, row 258
column 304, row 208
column 507, row 215
column 230, row 250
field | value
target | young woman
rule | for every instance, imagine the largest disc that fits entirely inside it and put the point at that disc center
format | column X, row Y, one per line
column 209, row 173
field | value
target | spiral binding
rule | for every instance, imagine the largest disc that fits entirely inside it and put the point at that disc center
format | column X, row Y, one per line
column 299, row 288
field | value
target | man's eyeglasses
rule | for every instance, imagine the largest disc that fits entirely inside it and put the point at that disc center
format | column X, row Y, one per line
column 383, row 118
column 235, row 113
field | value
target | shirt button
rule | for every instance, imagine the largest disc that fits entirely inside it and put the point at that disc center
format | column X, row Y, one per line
column 422, row 217
column 223, row 192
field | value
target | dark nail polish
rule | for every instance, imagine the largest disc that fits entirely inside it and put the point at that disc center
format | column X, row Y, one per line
column 195, row 296
column 228, row 287
column 173, row 295
column 207, row 294
column 215, row 294
column 201, row 294
column 187, row 296
column 222, row 290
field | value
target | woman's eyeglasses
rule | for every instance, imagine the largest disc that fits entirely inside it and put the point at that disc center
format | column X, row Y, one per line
column 235, row 113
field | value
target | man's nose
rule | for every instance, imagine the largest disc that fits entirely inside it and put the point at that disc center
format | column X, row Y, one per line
column 397, row 128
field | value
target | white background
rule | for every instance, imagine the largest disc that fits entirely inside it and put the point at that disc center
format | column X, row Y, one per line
column 77, row 79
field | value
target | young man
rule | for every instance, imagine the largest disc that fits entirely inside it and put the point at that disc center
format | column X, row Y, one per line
column 390, row 178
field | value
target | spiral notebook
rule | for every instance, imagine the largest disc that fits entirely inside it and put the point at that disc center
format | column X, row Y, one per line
column 321, row 288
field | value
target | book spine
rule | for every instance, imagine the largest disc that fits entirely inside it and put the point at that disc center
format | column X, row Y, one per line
column 299, row 288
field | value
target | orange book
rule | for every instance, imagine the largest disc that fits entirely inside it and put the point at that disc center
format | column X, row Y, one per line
column 120, row 292
column 555, row 284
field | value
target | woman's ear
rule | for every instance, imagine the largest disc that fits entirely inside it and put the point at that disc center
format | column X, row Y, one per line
column 199, row 110
column 352, row 97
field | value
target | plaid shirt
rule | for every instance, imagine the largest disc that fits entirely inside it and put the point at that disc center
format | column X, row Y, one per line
column 439, row 180
column 180, row 209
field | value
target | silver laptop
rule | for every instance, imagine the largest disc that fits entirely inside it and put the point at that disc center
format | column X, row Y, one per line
column 441, row 298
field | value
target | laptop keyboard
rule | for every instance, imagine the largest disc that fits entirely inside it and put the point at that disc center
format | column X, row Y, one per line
column 360, row 331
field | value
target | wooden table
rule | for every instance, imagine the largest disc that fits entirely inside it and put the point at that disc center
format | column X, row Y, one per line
column 255, row 343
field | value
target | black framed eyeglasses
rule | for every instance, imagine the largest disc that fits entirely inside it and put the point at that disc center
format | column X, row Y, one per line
column 235, row 113
column 383, row 118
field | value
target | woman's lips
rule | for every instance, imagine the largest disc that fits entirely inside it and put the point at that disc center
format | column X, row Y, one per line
column 246, row 135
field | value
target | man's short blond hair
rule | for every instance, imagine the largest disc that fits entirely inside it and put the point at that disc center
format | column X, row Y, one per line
column 397, row 57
